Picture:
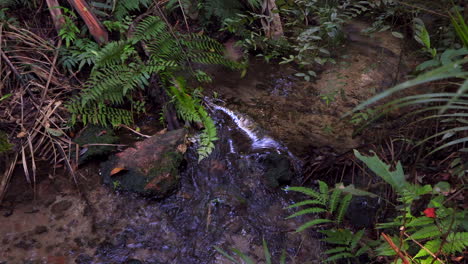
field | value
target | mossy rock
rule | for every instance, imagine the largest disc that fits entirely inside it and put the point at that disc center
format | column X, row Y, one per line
column 96, row 135
column 151, row 168
column 5, row 145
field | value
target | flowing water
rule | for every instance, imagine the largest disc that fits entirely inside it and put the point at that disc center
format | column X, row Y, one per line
column 232, row 199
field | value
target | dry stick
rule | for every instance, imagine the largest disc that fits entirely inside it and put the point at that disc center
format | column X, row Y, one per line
column 134, row 131
column 422, row 8
column 7, row 176
column 397, row 250
column 46, row 88
column 185, row 17
column 423, row 247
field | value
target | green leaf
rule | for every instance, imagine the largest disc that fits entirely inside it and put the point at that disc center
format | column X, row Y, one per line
column 267, row 252
column 305, row 202
column 352, row 190
column 395, row 178
column 335, row 250
column 313, row 210
column 312, row 223
column 306, row 191
column 397, row 34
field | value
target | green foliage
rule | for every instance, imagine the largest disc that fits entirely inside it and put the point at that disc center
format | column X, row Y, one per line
column 119, row 9
column 447, row 107
column 346, row 244
column 445, row 226
column 119, row 71
column 460, row 26
column 5, row 145
column 242, row 258
column 189, row 108
column 334, row 204
column 69, row 30
column 422, row 37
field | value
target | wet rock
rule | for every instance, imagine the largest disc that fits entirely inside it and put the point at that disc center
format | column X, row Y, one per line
column 27, row 244
column 40, row 230
column 84, row 259
column 278, row 169
column 361, row 211
column 151, row 168
column 60, row 207
column 92, row 135
column 133, row 261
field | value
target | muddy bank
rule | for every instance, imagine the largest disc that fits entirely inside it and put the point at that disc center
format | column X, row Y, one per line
column 306, row 115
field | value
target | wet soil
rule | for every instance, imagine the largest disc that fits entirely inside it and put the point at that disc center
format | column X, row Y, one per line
column 306, row 115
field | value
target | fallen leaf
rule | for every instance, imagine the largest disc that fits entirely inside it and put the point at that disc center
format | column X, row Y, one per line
column 116, row 170
column 103, row 132
column 21, row 134
column 162, row 132
column 182, row 148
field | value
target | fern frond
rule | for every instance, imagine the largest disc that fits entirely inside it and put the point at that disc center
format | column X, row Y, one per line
column 312, row 223
column 343, row 207
column 339, row 256
column 354, row 241
column 426, row 232
column 306, row 191
column 313, row 210
column 430, row 246
column 151, row 27
column 323, row 188
column 334, row 200
column 306, row 202
column 456, row 243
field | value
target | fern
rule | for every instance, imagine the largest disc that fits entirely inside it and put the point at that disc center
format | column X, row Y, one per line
column 190, row 109
column 323, row 202
column 347, row 241
column 119, row 70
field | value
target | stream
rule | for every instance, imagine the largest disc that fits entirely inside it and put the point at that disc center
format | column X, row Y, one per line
column 232, row 199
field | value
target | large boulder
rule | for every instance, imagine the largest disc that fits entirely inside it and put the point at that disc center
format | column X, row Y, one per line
column 150, row 168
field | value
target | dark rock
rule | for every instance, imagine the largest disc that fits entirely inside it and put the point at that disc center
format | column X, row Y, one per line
column 133, row 261
column 40, row 230
column 26, row 244
column 60, row 207
column 84, row 259
column 278, row 169
column 92, row 135
column 150, row 168
column 361, row 211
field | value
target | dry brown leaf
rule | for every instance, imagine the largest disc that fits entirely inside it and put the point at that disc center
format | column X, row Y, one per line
column 162, row 132
column 182, row 148
column 21, row 134
column 116, row 170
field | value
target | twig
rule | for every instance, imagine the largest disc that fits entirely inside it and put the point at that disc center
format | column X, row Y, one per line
column 104, row 144
column 423, row 247
column 185, row 17
column 422, row 8
column 134, row 131
column 397, row 250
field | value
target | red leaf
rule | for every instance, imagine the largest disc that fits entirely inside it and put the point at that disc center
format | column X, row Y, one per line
column 430, row 212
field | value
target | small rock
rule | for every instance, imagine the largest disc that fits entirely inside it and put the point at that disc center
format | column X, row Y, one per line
column 40, row 230
column 84, row 259
column 60, row 207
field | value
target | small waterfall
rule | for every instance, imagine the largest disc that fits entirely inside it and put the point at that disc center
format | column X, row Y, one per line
column 260, row 140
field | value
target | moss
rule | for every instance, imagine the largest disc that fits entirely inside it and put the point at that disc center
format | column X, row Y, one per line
column 5, row 145
column 96, row 135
